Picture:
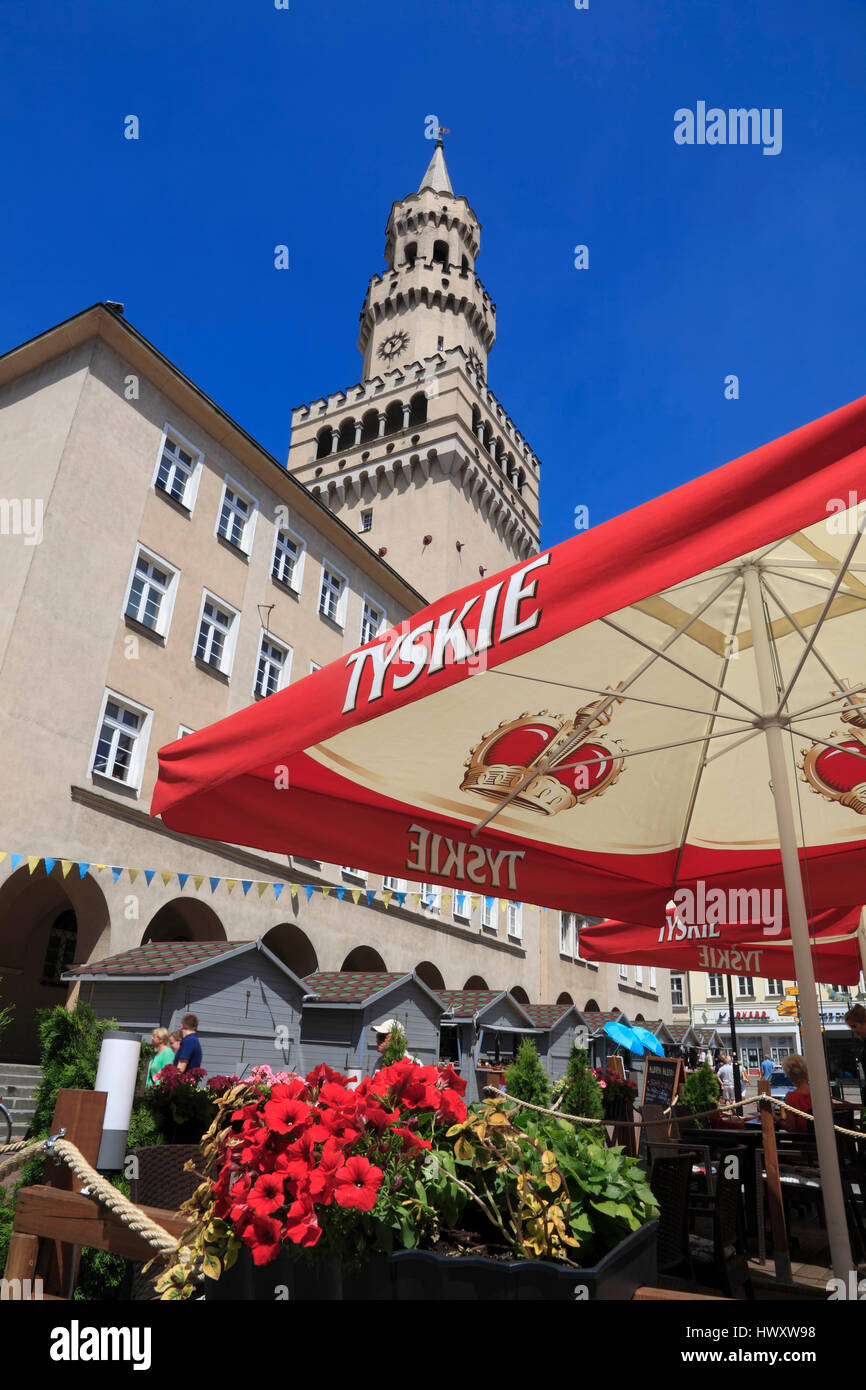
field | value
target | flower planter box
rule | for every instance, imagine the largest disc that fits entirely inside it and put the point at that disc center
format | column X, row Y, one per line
column 421, row 1274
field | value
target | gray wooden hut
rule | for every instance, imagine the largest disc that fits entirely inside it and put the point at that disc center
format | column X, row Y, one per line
column 248, row 1003
column 561, row 1022
column 341, row 1008
column 481, row 1031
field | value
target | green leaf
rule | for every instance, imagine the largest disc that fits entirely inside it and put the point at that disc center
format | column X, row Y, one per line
column 211, row 1266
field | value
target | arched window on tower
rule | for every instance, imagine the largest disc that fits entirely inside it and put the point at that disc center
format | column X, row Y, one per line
column 520, row 481
column 394, row 417
column 60, row 951
column 411, row 254
column 440, row 254
column 417, row 409
column 323, row 447
column 347, row 435
column 369, row 426
column 464, row 265
column 476, row 422
column 487, row 441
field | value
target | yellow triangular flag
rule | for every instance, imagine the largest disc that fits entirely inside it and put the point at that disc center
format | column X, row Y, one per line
column 386, row 895
column 230, row 883
column 416, row 900
column 166, row 876
column 294, row 889
column 198, row 880
column 326, row 890
column 446, row 901
column 260, row 888
column 32, row 860
column 66, row 865
column 99, row 867
column 356, row 895
column 133, row 874
column 3, row 854
column 475, row 901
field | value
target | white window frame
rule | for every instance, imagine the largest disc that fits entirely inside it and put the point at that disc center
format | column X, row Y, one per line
column 745, row 987
column 340, row 619
column 197, row 456
column 166, row 608
column 142, row 737
column 298, row 576
column 775, row 993
column 183, row 731
column 208, row 596
column 514, row 920
column 314, row 667
column 681, row 976
column 362, row 529
column 623, row 972
column 566, row 943
column 393, row 885
column 490, row 916
column 285, row 670
column 638, row 975
column 431, row 897
column 652, row 978
column 383, row 622
column 464, row 913
column 245, row 545
column 712, row 992
column 359, row 874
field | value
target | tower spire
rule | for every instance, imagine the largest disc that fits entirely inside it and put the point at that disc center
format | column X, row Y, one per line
column 436, row 176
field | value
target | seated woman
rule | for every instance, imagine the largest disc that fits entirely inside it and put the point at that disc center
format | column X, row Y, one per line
column 794, row 1067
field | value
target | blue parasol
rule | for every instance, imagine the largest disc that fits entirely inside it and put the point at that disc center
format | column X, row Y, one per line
column 625, row 1037
column 649, row 1040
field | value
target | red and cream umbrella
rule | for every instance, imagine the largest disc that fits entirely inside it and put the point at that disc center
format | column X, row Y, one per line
column 735, row 949
column 674, row 700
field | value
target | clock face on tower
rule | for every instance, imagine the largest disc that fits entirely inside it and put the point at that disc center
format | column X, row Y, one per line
column 393, row 345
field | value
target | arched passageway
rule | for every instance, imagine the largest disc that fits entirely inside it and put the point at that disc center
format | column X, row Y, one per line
column 185, row 919
column 363, row 958
column 293, row 947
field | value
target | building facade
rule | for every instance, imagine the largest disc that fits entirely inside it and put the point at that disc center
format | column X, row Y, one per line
column 160, row 570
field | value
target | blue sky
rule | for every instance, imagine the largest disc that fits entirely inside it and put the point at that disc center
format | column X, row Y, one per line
column 261, row 126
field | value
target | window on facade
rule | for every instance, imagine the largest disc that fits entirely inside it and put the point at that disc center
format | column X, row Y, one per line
column 371, row 623
column 678, row 995
column 174, row 474
column 652, row 977
column 396, row 885
column 489, row 914
column 638, row 974
column 411, row 254
column 745, row 987
column 331, row 595
column 431, row 897
column 184, row 731
column 118, row 746
column 271, row 667
column 355, row 873
column 149, row 600
column 440, row 253
column 715, row 987
column 287, row 561
column 775, row 986
column 213, row 645
column 235, row 520
column 462, row 906
column 60, row 951
column 314, row 666
column 367, row 519
column 623, row 972
column 514, row 920
column 566, row 933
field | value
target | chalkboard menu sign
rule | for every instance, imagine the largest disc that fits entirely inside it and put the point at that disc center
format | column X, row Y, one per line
column 661, row 1081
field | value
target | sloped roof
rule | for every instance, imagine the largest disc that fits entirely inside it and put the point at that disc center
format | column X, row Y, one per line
column 678, row 1030
column 545, row 1015
column 158, row 958
column 351, row 986
column 597, row 1020
column 465, row 1003
column 436, row 175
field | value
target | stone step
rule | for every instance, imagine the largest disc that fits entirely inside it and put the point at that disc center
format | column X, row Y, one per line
column 20, row 1104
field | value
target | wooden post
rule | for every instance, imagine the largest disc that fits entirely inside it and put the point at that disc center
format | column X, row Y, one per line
column 55, row 1262
column 781, row 1255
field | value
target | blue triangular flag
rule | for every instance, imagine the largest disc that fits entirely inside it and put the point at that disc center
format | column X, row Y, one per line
column 309, row 889
column 246, row 884
column 16, row 860
column 278, row 888
column 340, row 892
column 149, row 873
column 489, row 902
column 182, row 878
column 82, row 868
column 213, row 884
column 115, row 874
column 401, row 898
column 371, row 893
column 49, row 865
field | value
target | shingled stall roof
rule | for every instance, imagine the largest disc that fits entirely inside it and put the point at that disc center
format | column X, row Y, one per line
column 357, row 988
column 595, row 1021
column 545, row 1015
column 657, row 1027
column 464, row 1004
column 680, row 1032
column 157, row 960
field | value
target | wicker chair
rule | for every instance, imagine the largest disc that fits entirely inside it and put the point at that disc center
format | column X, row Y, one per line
column 161, row 1181
column 720, row 1259
column 669, row 1179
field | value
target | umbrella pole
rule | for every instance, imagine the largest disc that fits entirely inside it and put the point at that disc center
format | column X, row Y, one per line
column 819, row 1083
column 735, row 1056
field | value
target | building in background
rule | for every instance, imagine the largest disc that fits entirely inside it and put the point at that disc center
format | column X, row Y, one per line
column 160, row 570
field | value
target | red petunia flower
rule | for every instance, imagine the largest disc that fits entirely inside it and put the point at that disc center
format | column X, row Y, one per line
column 267, row 1195
column 286, row 1116
column 452, row 1107
column 302, row 1228
column 262, row 1235
column 357, row 1184
column 413, row 1141
column 325, row 1073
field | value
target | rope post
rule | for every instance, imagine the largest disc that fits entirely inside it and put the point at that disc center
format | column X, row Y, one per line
column 781, row 1255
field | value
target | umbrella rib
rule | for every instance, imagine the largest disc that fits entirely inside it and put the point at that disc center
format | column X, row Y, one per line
column 693, row 796
column 822, row 704
column 660, row 652
column 814, row 583
column 584, row 724
column 722, row 751
column 591, row 690
column 811, row 738
column 823, row 614
column 558, row 765
column 793, row 621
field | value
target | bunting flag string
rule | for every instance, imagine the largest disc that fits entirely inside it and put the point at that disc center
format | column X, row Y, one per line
column 387, row 897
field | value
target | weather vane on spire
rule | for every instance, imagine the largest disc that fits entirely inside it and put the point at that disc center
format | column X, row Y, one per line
column 433, row 130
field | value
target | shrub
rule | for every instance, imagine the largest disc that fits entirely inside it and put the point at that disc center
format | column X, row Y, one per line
column 527, row 1079
column 396, row 1046
column 582, row 1095
column 70, row 1039
column 701, row 1092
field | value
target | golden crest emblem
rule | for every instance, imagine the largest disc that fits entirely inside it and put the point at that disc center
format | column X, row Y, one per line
column 839, row 773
